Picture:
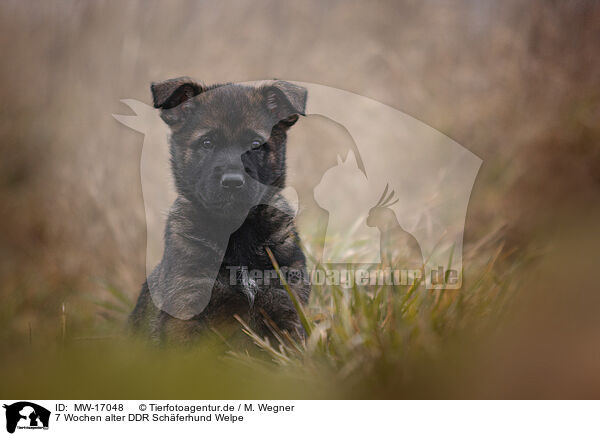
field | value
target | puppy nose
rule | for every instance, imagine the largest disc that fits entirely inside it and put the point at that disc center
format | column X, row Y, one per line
column 232, row 180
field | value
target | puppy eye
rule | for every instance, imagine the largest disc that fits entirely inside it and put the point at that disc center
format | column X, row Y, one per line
column 206, row 143
column 256, row 144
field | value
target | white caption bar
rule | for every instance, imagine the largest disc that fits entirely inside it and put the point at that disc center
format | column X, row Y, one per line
column 302, row 417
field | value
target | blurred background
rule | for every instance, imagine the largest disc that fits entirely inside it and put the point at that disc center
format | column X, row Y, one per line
column 516, row 83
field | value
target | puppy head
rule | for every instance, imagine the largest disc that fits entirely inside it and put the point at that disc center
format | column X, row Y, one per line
column 228, row 141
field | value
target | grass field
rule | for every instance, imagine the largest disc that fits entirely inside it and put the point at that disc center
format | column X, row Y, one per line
column 370, row 341
column 522, row 326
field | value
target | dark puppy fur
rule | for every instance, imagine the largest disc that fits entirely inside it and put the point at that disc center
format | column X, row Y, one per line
column 228, row 147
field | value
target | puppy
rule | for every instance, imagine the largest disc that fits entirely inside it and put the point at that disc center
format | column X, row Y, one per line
column 228, row 159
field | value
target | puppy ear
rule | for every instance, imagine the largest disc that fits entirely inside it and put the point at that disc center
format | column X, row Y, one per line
column 173, row 92
column 286, row 101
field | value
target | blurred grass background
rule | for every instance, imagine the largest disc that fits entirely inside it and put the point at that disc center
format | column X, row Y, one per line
column 515, row 83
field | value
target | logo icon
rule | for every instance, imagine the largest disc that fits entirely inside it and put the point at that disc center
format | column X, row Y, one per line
column 396, row 199
column 26, row 415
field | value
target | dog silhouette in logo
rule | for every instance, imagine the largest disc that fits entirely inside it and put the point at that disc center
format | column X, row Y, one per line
column 397, row 246
column 31, row 413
